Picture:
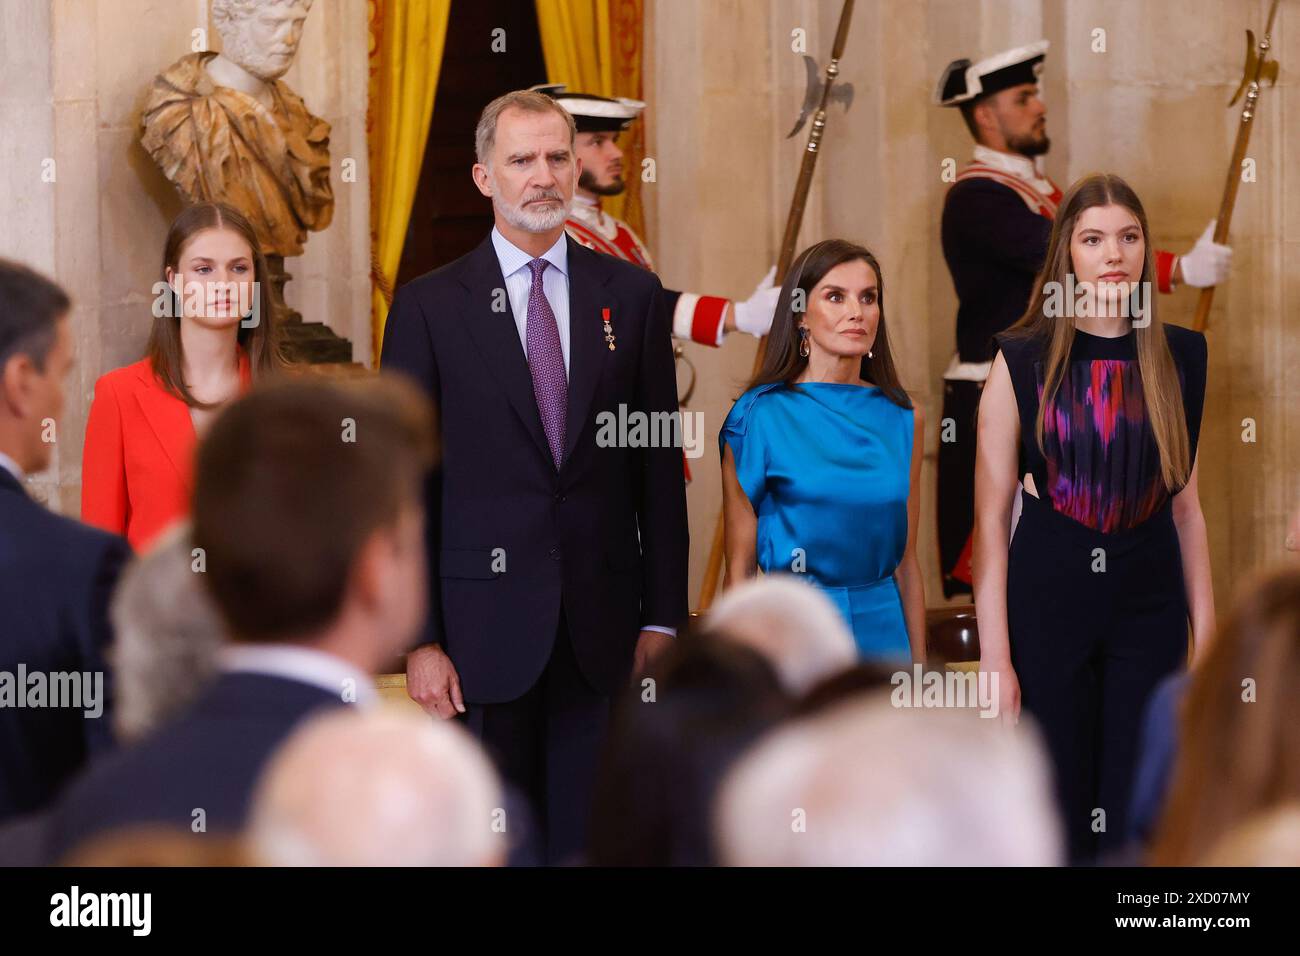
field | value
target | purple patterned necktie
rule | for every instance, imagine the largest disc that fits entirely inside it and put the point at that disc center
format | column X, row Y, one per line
column 546, row 362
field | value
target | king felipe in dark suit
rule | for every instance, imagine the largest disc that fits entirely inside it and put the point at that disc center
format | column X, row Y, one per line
column 554, row 560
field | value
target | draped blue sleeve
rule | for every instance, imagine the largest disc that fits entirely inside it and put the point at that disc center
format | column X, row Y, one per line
column 743, row 431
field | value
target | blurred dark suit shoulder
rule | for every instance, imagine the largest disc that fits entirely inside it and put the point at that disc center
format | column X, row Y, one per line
column 56, row 578
column 202, row 766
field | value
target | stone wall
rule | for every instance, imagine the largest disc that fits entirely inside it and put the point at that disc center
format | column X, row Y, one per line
column 726, row 89
column 724, row 86
column 83, row 202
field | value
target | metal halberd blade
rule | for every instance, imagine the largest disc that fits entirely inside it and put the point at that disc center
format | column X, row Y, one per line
column 1267, row 72
column 840, row 93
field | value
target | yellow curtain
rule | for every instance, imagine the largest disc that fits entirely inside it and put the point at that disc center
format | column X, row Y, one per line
column 406, row 42
column 595, row 46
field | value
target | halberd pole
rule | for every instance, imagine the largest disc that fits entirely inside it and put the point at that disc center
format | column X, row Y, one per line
column 789, row 241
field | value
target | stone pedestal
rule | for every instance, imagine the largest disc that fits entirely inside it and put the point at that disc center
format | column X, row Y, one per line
column 86, row 205
column 311, row 343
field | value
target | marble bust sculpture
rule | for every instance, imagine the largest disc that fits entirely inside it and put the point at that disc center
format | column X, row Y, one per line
column 224, row 127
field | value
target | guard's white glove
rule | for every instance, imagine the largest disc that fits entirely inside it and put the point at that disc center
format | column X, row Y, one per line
column 1208, row 263
column 754, row 315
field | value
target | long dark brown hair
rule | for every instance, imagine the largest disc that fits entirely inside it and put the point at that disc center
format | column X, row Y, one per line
column 1161, row 390
column 782, row 361
column 1239, row 755
column 260, row 341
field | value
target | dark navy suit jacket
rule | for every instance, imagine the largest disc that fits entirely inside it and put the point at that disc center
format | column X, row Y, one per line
column 56, row 578
column 994, row 245
column 208, row 760
column 605, row 537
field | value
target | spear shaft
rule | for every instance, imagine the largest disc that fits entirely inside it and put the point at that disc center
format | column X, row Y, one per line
column 1251, row 84
column 793, row 221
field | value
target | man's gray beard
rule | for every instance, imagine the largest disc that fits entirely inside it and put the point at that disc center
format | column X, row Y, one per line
column 588, row 182
column 528, row 221
column 240, row 50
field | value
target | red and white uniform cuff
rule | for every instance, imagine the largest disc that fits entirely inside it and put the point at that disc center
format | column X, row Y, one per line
column 699, row 318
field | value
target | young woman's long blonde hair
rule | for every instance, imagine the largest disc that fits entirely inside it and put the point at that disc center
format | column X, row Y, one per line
column 1161, row 390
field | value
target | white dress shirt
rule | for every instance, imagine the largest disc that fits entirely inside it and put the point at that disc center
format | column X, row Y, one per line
column 519, row 284
column 555, row 286
column 305, row 665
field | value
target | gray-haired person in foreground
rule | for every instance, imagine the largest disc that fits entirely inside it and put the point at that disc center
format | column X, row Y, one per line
column 790, row 623
column 871, row 784
column 382, row 788
column 168, row 635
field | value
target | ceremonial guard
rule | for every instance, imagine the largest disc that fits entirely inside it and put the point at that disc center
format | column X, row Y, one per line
column 996, row 222
column 701, row 318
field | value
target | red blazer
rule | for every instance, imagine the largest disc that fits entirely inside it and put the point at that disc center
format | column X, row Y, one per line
column 137, row 467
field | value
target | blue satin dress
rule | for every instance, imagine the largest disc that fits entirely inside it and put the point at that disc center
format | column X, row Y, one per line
column 827, row 468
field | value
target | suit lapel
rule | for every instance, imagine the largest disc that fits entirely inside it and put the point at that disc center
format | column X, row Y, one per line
column 587, row 346
column 497, row 338
column 169, row 418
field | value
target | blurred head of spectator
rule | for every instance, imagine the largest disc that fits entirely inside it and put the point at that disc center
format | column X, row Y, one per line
column 672, row 738
column 167, row 635
column 868, row 784
column 35, row 357
column 1239, row 751
column 1270, row 839
column 857, row 682
column 309, row 517
column 384, row 787
column 160, row 846
column 789, row 622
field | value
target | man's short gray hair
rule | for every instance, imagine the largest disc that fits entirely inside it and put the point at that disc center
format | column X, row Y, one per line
column 791, row 623
column 870, row 784
column 383, row 787
column 530, row 101
column 168, row 636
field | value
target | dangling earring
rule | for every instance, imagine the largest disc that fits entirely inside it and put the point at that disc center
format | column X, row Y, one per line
column 870, row 354
column 803, row 342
